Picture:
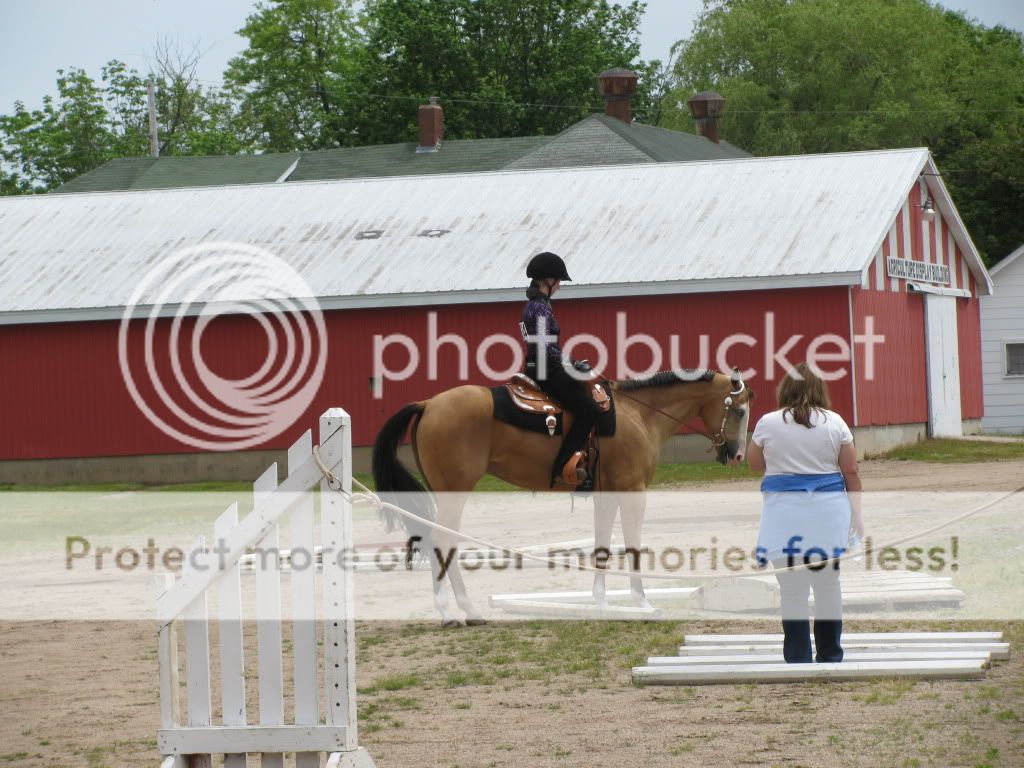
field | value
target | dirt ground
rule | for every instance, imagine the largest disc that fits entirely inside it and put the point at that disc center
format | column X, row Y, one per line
column 543, row 693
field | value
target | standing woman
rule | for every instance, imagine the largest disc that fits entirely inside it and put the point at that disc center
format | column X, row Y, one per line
column 811, row 491
column 546, row 365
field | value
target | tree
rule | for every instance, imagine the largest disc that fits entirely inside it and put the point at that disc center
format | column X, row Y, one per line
column 500, row 67
column 89, row 123
column 289, row 79
column 805, row 76
column 67, row 137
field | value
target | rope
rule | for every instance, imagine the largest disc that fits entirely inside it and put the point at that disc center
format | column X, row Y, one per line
column 369, row 496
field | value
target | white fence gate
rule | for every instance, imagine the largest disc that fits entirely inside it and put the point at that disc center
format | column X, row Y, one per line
column 330, row 679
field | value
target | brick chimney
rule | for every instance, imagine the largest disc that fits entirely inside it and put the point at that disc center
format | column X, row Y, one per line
column 706, row 108
column 431, row 126
column 618, row 86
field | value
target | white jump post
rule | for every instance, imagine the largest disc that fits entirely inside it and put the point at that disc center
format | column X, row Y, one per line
column 192, row 743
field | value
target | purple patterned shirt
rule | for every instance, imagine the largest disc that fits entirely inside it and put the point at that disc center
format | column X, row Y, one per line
column 538, row 313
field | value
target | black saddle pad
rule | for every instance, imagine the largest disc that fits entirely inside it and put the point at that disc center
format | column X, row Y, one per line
column 505, row 411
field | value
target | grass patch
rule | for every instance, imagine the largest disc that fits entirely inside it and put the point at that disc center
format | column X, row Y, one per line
column 888, row 692
column 951, row 451
column 468, row 677
column 402, row 703
column 202, row 487
column 396, row 682
column 666, row 475
column 700, row 472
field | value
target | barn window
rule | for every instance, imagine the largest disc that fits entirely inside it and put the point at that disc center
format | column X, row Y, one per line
column 1015, row 358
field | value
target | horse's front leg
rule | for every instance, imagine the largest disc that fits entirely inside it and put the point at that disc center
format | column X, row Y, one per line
column 605, row 507
column 632, row 507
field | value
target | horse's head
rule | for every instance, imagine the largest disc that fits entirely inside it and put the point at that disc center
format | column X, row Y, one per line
column 727, row 415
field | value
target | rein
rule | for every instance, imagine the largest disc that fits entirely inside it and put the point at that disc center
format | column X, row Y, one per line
column 717, row 440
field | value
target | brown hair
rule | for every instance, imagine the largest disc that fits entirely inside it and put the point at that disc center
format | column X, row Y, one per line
column 801, row 392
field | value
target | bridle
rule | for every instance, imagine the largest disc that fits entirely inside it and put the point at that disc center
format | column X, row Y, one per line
column 718, row 439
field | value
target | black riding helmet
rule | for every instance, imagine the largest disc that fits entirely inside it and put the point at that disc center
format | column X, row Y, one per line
column 547, row 265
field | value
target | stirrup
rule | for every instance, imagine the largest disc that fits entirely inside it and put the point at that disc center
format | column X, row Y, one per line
column 572, row 473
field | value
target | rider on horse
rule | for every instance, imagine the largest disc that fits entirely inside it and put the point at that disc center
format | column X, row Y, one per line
column 546, row 365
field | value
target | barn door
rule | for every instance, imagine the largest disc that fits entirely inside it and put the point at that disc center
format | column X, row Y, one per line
column 943, row 366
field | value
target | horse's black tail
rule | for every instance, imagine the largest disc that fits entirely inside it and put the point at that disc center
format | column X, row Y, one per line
column 395, row 483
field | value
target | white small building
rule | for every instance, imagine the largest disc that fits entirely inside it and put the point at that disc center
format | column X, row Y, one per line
column 1002, row 339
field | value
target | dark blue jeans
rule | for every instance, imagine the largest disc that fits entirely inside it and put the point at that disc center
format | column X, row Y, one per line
column 795, row 588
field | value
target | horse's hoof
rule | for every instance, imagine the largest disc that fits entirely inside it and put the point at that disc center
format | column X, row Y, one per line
column 476, row 622
column 451, row 624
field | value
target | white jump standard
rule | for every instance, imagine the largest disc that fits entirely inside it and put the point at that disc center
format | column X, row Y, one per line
column 329, row 677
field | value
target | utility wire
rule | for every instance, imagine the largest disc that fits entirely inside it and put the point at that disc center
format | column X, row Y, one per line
column 460, row 100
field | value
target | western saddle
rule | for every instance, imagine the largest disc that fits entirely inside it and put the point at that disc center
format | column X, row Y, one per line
column 528, row 397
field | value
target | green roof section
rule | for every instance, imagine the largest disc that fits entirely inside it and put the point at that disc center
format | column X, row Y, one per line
column 119, row 173
column 191, row 171
column 665, row 146
column 595, row 140
column 588, row 142
column 460, row 156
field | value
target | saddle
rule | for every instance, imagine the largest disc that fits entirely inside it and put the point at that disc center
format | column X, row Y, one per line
column 529, row 398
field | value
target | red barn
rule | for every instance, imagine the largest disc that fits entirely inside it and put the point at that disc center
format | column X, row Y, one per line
column 857, row 260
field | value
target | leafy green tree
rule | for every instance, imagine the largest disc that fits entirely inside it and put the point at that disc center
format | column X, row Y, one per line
column 805, row 76
column 89, row 123
column 289, row 79
column 500, row 67
column 68, row 136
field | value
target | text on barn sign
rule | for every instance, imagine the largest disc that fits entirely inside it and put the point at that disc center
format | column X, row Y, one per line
column 906, row 269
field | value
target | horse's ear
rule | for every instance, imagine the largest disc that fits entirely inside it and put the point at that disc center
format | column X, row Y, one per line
column 736, row 378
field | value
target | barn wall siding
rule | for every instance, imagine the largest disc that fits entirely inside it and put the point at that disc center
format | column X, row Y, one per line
column 968, row 319
column 897, row 391
column 65, row 396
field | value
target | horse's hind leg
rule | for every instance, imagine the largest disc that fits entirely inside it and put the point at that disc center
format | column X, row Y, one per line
column 449, row 514
column 605, row 507
column 448, row 620
column 632, row 509
column 452, row 448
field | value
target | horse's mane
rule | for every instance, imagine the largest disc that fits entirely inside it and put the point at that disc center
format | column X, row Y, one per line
column 665, row 378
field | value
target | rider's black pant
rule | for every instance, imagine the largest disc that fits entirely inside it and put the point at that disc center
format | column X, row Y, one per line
column 571, row 395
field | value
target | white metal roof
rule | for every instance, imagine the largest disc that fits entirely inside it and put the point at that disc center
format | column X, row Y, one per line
column 654, row 228
column 1007, row 261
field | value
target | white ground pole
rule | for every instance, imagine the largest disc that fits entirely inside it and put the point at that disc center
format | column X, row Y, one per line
column 728, row 659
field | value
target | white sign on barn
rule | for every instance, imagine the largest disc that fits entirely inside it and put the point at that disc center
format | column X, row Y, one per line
column 907, row 269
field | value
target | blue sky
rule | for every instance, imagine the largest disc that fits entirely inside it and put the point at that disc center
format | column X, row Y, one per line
column 42, row 36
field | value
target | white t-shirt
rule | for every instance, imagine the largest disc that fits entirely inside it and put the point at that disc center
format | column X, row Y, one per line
column 793, row 449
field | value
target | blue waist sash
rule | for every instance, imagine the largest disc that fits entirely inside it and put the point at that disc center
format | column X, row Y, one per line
column 831, row 482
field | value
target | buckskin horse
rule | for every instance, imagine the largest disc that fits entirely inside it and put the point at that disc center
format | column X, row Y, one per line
column 456, row 440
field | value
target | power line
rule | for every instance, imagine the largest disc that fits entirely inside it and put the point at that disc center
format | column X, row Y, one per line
column 586, row 107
